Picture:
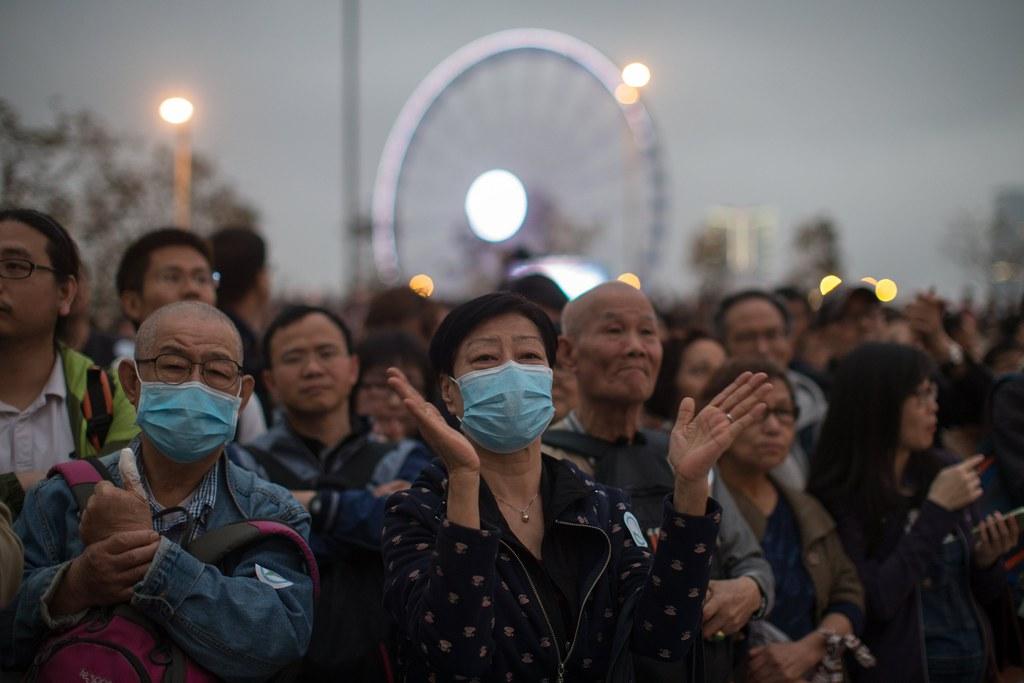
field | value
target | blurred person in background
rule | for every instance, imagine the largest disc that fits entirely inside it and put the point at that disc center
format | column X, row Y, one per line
column 243, row 293
column 400, row 308
column 55, row 403
column 818, row 596
column 906, row 513
column 686, row 366
column 610, row 342
column 80, row 332
column 850, row 315
column 963, row 384
column 1004, row 357
column 167, row 265
column 390, row 422
column 755, row 324
column 327, row 457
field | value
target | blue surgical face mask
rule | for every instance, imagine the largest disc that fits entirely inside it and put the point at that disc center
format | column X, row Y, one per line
column 505, row 408
column 187, row 422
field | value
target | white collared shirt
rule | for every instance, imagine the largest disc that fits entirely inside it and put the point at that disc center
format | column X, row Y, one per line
column 39, row 436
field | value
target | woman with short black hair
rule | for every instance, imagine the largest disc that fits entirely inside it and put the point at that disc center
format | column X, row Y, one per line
column 503, row 564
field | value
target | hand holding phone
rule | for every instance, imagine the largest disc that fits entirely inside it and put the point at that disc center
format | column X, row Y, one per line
column 1016, row 513
column 996, row 535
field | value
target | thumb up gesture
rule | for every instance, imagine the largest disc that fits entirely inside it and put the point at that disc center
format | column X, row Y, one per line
column 112, row 510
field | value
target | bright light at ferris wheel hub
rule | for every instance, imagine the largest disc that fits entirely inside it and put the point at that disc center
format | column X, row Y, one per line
column 496, row 205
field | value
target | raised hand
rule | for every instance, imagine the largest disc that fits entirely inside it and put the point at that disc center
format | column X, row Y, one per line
column 449, row 444
column 957, row 486
column 697, row 442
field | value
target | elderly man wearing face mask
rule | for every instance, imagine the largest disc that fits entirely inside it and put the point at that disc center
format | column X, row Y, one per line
column 171, row 486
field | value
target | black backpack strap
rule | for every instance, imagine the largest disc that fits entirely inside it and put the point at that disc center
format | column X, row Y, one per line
column 97, row 406
column 215, row 545
column 82, row 477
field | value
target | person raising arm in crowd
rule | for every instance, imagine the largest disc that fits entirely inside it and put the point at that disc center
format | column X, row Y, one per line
column 505, row 564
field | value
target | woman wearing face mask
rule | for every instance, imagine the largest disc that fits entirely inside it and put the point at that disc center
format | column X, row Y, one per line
column 503, row 564
column 905, row 512
column 818, row 597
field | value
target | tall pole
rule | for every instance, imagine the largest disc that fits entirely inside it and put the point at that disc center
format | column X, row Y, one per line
column 183, row 178
column 177, row 111
column 353, row 236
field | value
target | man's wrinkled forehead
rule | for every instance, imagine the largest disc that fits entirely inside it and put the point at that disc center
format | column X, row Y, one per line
column 610, row 297
column 180, row 332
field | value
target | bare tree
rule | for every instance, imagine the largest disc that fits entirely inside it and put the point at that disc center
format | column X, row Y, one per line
column 104, row 187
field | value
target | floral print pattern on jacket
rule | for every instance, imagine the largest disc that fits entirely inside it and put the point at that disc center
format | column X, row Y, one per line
column 468, row 610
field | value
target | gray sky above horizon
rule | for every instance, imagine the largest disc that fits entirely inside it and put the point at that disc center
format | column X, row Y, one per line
column 894, row 117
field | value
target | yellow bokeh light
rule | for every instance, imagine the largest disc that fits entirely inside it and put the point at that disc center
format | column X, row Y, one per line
column 886, row 290
column 626, row 94
column 869, row 280
column 828, row 283
column 636, row 75
column 422, row 284
column 176, row 110
column 630, row 279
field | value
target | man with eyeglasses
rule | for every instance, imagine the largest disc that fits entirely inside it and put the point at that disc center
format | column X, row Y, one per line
column 753, row 323
column 173, row 485
column 323, row 452
column 168, row 265
column 44, row 384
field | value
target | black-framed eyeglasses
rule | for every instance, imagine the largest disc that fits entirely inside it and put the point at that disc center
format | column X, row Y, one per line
column 20, row 268
column 172, row 368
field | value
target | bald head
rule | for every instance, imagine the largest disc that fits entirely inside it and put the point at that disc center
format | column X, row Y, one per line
column 583, row 310
column 610, row 343
column 184, row 315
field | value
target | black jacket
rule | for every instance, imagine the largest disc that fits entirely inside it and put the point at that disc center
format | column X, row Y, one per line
column 467, row 604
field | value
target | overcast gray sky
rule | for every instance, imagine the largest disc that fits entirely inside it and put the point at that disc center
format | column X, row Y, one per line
column 892, row 116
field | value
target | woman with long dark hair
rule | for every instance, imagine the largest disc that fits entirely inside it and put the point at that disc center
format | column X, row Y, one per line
column 906, row 514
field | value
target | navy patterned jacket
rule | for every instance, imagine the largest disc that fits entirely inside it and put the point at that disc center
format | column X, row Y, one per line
column 468, row 608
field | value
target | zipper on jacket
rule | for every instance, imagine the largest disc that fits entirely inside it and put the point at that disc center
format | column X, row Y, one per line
column 544, row 612
column 586, row 596
column 579, row 620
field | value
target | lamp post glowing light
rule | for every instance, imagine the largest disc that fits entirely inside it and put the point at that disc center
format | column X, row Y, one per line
column 636, row 75
column 178, row 111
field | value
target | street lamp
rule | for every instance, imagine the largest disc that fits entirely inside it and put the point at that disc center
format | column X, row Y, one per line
column 177, row 111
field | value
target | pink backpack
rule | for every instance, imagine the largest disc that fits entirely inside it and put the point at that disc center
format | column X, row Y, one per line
column 119, row 644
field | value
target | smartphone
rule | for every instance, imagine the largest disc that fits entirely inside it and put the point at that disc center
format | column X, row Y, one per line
column 1017, row 513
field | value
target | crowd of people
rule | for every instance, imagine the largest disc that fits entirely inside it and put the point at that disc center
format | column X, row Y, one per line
column 518, row 487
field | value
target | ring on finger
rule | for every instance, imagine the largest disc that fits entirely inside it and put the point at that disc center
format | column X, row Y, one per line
column 729, row 417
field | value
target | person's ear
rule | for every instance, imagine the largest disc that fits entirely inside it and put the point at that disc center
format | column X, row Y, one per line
column 131, row 305
column 452, row 396
column 353, row 369
column 127, row 374
column 68, row 288
column 248, row 384
column 566, row 354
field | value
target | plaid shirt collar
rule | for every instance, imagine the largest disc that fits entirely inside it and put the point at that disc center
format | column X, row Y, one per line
column 198, row 505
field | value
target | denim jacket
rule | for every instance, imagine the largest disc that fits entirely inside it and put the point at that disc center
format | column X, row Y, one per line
column 233, row 625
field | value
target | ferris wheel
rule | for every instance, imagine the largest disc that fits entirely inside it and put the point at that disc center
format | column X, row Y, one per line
column 517, row 144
